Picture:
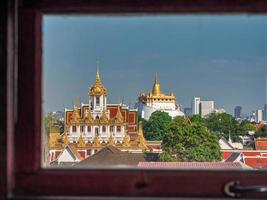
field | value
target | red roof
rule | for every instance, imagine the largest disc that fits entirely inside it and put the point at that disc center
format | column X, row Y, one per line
column 226, row 154
column 259, row 126
column 75, row 151
column 191, row 165
column 252, row 158
column 261, row 144
column 256, row 162
column 154, row 146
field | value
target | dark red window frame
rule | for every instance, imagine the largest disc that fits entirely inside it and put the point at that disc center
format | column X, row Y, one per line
column 74, row 129
column 104, row 129
column 118, row 129
column 24, row 176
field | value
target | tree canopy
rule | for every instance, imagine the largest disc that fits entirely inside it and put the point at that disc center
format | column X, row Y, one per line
column 156, row 126
column 224, row 124
column 50, row 119
column 189, row 142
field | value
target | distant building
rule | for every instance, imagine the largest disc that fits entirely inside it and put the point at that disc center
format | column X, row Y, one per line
column 224, row 144
column 261, row 144
column 188, row 111
column 265, row 106
column 196, row 106
column 156, row 100
column 259, row 116
column 238, row 112
column 206, row 107
column 265, row 112
column 218, row 110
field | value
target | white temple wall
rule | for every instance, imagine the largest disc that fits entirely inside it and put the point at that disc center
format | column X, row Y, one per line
column 165, row 105
column 146, row 111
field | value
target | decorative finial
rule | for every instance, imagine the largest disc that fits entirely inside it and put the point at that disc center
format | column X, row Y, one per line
column 76, row 101
column 97, row 65
column 156, row 87
column 156, row 77
column 97, row 71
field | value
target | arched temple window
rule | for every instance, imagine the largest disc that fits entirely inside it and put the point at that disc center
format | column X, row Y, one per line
column 103, row 128
column 73, row 128
column 118, row 128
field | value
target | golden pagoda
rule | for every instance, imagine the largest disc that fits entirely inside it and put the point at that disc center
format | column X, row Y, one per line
column 97, row 88
column 156, row 100
column 156, row 95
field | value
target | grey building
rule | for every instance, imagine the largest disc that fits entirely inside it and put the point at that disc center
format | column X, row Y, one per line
column 238, row 111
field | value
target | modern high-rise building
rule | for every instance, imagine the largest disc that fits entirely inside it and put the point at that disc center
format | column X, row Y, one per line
column 259, row 116
column 238, row 111
column 265, row 112
column 196, row 106
column 206, row 107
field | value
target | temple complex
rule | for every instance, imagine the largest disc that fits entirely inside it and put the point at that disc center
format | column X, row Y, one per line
column 90, row 127
column 156, row 100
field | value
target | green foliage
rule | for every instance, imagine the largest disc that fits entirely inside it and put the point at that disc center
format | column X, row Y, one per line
column 197, row 119
column 187, row 143
column 247, row 126
column 166, row 156
column 156, row 126
column 224, row 124
column 50, row 119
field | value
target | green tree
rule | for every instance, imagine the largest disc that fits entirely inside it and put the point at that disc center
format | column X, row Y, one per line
column 246, row 126
column 197, row 119
column 156, row 126
column 224, row 124
column 189, row 142
column 50, row 119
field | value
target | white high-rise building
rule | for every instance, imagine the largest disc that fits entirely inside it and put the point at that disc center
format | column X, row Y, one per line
column 195, row 106
column 259, row 116
column 206, row 107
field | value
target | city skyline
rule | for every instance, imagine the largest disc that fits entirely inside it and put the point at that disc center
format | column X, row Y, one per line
column 180, row 49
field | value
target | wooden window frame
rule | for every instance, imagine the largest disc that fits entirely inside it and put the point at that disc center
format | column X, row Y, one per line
column 23, row 176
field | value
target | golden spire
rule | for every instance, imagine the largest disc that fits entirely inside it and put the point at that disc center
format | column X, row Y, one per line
column 76, row 117
column 118, row 117
column 88, row 118
column 96, row 142
column 98, row 88
column 156, row 87
column 97, row 78
column 126, row 141
column 66, row 139
column 81, row 142
column 104, row 118
column 140, row 140
column 111, row 140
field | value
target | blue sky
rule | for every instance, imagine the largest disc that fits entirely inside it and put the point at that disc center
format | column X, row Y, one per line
column 221, row 58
